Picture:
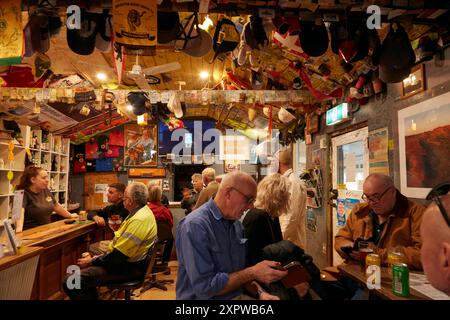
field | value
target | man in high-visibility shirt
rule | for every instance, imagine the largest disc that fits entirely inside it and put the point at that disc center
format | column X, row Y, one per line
column 126, row 256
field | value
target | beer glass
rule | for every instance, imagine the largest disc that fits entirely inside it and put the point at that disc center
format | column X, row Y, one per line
column 395, row 255
column 363, row 250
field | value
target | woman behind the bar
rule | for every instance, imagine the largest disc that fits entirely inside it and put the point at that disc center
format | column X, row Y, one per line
column 38, row 202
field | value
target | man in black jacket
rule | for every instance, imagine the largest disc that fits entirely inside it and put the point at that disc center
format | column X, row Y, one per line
column 115, row 197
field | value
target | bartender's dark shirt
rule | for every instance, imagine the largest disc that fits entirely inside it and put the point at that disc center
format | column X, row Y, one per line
column 38, row 208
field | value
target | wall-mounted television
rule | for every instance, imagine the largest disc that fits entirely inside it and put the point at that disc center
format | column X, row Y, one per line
column 192, row 137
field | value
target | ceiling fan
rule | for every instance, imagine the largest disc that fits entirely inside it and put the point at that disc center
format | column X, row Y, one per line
column 142, row 77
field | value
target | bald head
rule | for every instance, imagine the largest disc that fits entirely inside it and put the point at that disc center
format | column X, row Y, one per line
column 380, row 193
column 236, row 194
column 435, row 251
column 379, row 180
column 237, row 178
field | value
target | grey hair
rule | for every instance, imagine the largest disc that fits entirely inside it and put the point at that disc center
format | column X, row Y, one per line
column 196, row 176
column 138, row 193
column 209, row 173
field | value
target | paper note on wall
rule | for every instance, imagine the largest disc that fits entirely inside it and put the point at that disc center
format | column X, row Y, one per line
column 102, row 188
column 17, row 204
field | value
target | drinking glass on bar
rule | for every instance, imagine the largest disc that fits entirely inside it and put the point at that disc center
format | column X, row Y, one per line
column 364, row 250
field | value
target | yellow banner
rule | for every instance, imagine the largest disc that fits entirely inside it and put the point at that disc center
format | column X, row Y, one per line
column 11, row 36
column 135, row 22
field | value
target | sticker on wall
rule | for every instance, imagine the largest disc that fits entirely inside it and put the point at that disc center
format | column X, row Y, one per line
column 340, row 212
column 311, row 220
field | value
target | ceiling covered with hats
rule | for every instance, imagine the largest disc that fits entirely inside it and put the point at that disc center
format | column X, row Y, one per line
column 247, row 64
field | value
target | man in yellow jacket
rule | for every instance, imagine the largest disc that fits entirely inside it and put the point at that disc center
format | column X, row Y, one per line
column 387, row 219
column 127, row 252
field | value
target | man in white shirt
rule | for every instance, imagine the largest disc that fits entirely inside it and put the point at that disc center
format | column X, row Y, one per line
column 293, row 224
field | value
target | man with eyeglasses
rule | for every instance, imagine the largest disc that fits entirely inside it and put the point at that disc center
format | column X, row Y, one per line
column 212, row 249
column 385, row 219
column 435, row 231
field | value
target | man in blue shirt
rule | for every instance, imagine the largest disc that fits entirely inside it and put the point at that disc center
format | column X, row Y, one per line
column 211, row 247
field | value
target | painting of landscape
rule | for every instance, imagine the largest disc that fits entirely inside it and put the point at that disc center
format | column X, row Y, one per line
column 424, row 140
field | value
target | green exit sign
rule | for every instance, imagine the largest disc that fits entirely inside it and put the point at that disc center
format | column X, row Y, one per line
column 337, row 114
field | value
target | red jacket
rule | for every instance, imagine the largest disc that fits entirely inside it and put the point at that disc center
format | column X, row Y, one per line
column 161, row 212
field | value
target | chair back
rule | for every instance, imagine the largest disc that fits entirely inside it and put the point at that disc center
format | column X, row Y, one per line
column 151, row 257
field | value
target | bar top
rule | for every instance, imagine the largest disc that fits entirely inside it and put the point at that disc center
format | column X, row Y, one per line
column 45, row 234
column 354, row 272
column 25, row 253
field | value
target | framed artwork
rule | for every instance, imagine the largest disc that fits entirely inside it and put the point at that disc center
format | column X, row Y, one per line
column 231, row 165
column 141, row 148
column 415, row 83
column 312, row 122
column 424, row 145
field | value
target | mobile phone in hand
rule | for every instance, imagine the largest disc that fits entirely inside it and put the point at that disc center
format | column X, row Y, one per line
column 347, row 250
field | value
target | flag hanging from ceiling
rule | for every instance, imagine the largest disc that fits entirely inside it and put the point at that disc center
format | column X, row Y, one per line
column 11, row 35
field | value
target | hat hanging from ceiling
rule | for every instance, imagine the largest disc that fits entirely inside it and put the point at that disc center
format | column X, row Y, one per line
column 104, row 28
column 287, row 24
column 285, row 116
column 226, row 37
column 191, row 39
column 199, row 46
column 138, row 100
column 350, row 40
column 254, row 33
column 169, row 26
column 397, row 56
column 82, row 41
column 313, row 37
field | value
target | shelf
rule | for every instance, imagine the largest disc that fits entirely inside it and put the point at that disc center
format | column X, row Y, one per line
column 7, row 195
column 5, row 169
column 15, row 145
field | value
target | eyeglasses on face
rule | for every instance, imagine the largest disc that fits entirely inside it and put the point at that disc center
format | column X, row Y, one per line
column 248, row 199
column 375, row 197
column 435, row 193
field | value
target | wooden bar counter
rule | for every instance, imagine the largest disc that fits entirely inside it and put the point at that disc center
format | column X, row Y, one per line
column 17, row 273
column 61, row 245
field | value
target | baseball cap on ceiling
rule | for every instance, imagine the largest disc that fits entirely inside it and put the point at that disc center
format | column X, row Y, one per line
column 313, row 38
column 191, row 39
column 82, row 41
column 226, row 37
column 350, row 40
column 169, row 26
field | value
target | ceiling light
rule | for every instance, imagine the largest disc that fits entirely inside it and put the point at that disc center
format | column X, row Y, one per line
column 101, row 76
column 204, row 75
column 207, row 24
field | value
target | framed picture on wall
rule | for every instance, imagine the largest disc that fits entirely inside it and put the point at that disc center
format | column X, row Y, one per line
column 141, row 148
column 231, row 165
column 424, row 145
column 312, row 122
column 415, row 83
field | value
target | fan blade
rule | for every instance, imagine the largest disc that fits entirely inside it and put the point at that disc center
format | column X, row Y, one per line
column 163, row 68
column 140, row 81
